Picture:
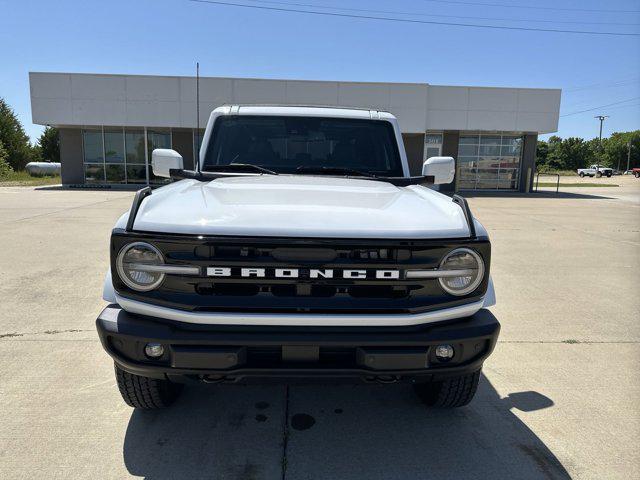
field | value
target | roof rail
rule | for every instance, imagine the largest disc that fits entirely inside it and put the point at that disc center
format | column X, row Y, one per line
column 467, row 214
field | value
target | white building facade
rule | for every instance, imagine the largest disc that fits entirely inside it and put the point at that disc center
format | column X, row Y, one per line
column 109, row 124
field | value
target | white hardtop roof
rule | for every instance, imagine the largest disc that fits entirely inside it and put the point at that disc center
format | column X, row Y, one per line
column 304, row 110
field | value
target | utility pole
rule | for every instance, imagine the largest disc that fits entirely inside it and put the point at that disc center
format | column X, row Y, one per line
column 602, row 119
column 628, row 154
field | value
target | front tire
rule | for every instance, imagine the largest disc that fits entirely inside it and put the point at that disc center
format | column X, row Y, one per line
column 146, row 393
column 450, row 393
column 598, row 175
column 581, row 174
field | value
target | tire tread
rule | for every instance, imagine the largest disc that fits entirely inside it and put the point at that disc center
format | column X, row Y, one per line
column 145, row 393
column 450, row 393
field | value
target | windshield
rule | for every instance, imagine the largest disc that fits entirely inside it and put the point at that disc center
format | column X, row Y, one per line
column 299, row 144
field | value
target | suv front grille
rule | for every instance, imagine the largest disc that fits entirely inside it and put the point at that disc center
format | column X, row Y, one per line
column 305, row 290
column 305, row 293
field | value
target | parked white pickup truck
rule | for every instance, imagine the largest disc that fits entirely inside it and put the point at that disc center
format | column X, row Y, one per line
column 595, row 171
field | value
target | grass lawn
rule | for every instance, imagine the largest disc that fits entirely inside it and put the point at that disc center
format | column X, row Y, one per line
column 23, row 179
column 553, row 184
column 562, row 173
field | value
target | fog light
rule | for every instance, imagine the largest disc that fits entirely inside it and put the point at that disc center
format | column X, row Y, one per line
column 153, row 350
column 444, row 352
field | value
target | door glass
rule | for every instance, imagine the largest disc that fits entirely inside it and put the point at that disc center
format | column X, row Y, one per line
column 432, row 145
column 433, row 152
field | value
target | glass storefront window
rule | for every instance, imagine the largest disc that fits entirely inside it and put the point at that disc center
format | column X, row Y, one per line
column 94, row 173
column 467, row 150
column 491, row 150
column 469, row 139
column 121, row 155
column 92, row 143
column 157, row 139
column 114, row 155
column 490, row 140
column 488, row 162
column 197, row 143
column 115, row 173
column 134, row 140
column 135, row 156
column 136, row 174
column 93, row 156
column 113, row 146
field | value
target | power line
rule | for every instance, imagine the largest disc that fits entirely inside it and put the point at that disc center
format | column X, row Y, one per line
column 422, row 14
column 531, row 7
column 601, row 106
column 603, row 85
column 625, row 106
column 407, row 20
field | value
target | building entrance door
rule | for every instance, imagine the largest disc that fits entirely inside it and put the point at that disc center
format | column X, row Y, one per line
column 432, row 145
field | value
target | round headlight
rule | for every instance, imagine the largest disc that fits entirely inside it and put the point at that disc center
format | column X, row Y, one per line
column 135, row 264
column 466, row 270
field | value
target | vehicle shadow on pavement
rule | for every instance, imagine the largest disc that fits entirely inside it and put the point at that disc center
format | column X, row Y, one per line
column 540, row 194
column 337, row 432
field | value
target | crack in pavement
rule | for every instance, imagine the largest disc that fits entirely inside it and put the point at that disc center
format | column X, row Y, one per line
column 45, row 332
column 285, row 433
column 64, row 210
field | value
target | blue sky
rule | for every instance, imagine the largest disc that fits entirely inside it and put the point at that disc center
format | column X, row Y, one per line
column 166, row 37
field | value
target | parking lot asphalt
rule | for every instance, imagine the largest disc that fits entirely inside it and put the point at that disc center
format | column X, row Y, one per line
column 558, row 398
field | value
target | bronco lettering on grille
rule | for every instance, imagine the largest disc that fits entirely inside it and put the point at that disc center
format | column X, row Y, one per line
column 260, row 272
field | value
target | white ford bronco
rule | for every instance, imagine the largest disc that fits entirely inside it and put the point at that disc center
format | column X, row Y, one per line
column 299, row 248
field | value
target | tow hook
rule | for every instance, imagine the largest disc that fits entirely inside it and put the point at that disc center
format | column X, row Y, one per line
column 385, row 379
column 212, row 378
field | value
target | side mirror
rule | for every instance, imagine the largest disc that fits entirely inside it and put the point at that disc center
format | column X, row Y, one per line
column 163, row 160
column 443, row 169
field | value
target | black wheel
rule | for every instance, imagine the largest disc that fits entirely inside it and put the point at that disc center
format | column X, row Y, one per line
column 146, row 393
column 581, row 174
column 609, row 174
column 598, row 175
column 636, row 174
column 450, row 393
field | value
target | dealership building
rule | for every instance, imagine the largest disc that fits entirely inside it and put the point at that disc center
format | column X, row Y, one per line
column 110, row 124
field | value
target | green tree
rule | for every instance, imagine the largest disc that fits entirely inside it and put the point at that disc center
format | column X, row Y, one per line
column 5, row 168
column 616, row 149
column 570, row 154
column 542, row 152
column 573, row 153
column 15, row 140
column 49, row 143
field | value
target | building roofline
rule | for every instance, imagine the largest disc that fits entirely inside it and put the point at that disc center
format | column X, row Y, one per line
column 230, row 78
column 423, row 84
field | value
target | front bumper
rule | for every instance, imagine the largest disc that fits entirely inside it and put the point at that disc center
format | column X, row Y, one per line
column 232, row 354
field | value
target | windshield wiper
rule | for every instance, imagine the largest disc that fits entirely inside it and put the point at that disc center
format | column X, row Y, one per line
column 239, row 167
column 334, row 171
